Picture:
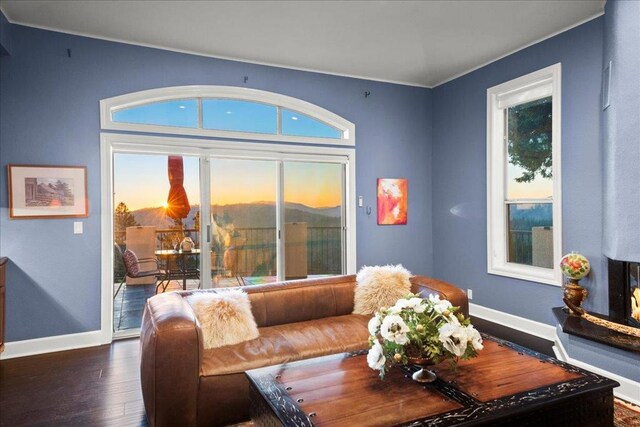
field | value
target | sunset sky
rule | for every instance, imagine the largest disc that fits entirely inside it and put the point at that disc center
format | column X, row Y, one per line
column 539, row 188
column 141, row 181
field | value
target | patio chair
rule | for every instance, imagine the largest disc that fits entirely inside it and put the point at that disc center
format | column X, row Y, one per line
column 132, row 267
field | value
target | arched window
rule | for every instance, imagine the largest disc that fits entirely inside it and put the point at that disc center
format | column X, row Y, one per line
column 256, row 212
column 228, row 112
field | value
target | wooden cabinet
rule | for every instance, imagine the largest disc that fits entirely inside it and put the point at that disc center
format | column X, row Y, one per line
column 3, row 265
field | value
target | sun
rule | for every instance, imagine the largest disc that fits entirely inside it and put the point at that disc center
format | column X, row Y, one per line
column 165, row 205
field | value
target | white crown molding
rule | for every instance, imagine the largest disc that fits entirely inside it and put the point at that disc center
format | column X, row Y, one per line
column 471, row 70
column 226, row 58
column 629, row 390
column 531, row 327
column 310, row 70
column 52, row 344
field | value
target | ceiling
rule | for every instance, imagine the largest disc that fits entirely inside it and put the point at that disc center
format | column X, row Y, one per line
column 421, row 43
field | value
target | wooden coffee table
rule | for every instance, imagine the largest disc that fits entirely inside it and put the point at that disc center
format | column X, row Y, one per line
column 507, row 384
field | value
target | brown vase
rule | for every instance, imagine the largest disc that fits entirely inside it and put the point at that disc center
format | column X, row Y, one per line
column 575, row 293
column 423, row 375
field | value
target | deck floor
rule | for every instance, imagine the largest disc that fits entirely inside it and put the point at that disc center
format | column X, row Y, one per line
column 128, row 304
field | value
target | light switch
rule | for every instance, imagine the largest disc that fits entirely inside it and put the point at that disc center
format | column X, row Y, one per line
column 77, row 227
column 360, row 202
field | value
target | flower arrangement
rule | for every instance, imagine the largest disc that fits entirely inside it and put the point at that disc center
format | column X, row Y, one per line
column 417, row 328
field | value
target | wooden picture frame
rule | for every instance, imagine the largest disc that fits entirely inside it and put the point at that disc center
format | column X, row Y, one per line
column 47, row 192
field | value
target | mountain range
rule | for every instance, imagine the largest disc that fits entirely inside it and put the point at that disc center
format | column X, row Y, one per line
column 247, row 215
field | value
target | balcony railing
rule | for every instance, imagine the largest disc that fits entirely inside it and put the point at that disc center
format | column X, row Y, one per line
column 256, row 256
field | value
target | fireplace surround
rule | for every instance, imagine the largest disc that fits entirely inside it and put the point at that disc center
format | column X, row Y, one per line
column 624, row 279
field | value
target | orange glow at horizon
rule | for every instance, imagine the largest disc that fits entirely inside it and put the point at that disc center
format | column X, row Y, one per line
column 141, row 181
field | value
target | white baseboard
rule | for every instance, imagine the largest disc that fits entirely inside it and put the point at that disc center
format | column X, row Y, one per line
column 531, row 327
column 52, row 344
column 629, row 390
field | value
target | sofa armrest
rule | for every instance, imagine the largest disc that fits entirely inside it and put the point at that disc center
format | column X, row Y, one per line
column 171, row 348
column 426, row 285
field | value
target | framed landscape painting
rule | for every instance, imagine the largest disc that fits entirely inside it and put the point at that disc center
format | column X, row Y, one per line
column 392, row 201
column 47, row 191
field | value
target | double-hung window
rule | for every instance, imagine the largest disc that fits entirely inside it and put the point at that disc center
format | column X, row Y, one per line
column 523, row 177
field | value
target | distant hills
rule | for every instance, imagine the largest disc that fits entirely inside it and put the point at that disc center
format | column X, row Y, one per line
column 247, row 215
column 537, row 215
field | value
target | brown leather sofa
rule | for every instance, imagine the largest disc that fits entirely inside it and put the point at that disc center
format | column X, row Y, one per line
column 185, row 385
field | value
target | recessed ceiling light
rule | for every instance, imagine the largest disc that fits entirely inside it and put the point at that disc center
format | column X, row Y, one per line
column 294, row 118
column 182, row 107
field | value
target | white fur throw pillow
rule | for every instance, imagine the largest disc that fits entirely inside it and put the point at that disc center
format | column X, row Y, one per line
column 380, row 286
column 225, row 317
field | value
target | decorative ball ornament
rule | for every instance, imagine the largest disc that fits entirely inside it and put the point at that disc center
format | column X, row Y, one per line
column 574, row 266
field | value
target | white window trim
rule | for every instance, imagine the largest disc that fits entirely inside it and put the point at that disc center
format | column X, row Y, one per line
column 110, row 105
column 496, row 181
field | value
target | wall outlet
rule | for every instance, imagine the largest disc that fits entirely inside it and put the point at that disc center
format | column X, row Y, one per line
column 77, row 227
column 470, row 294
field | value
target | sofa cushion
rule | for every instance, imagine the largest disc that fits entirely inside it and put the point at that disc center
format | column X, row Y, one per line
column 380, row 286
column 225, row 317
column 287, row 343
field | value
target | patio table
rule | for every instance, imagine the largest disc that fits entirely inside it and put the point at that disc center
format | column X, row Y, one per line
column 182, row 272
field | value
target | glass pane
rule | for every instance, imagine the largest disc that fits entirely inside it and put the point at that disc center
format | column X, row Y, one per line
column 151, row 218
column 530, row 233
column 313, row 219
column 297, row 124
column 239, row 116
column 529, row 169
column 177, row 113
column 243, row 223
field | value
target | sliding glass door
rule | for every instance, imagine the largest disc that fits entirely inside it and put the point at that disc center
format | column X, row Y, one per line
column 243, row 221
column 313, row 219
column 272, row 220
column 156, row 199
column 207, row 219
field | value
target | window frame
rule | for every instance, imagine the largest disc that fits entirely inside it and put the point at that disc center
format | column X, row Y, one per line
column 497, row 228
column 110, row 105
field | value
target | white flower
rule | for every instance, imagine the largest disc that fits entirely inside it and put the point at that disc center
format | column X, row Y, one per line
column 454, row 338
column 474, row 337
column 375, row 357
column 373, row 325
column 394, row 310
column 403, row 303
column 453, row 319
column 439, row 305
column 418, row 305
column 394, row 329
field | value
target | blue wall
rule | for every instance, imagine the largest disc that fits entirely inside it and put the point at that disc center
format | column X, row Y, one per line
column 621, row 127
column 459, row 193
column 436, row 138
column 49, row 115
column 459, row 185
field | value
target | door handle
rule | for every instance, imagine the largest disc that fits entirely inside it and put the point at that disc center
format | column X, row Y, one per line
column 208, row 233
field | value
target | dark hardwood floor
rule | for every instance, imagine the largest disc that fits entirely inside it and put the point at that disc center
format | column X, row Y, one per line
column 100, row 386
column 530, row 341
